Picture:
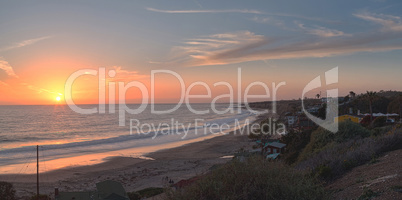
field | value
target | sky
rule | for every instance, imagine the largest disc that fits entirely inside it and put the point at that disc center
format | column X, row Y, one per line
column 42, row 43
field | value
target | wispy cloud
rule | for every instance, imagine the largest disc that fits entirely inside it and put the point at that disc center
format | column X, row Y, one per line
column 303, row 17
column 388, row 22
column 6, row 67
column 198, row 51
column 24, row 43
column 322, row 31
column 124, row 75
column 244, row 11
column 3, row 84
column 205, row 11
column 268, row 20
column 261, row 19
column 237, row 47
column 38, row 89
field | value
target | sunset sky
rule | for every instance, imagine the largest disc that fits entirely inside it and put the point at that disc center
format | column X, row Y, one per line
column 43, row 42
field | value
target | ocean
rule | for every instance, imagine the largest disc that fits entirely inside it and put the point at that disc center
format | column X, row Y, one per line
column 67, row 138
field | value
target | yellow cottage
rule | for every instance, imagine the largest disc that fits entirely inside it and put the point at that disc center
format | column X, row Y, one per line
column 352, row 118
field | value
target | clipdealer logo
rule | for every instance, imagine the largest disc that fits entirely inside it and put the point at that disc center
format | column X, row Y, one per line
column 185, row 96
column 331, row 77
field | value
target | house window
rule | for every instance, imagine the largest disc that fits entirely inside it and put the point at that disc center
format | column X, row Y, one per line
column 274, row 150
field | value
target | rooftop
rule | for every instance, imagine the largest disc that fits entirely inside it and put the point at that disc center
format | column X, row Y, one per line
column 277, row 144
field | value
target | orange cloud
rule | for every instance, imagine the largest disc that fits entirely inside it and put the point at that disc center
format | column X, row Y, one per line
column 6, row 67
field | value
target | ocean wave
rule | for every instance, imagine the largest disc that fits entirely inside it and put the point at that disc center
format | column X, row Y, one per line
column 114, row 143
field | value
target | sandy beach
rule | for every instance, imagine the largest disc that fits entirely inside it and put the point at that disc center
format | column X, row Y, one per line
column 176, row 163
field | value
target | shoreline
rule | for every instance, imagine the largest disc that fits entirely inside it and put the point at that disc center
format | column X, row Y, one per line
column 93, row 158
column 180, row 162
column 21, row 160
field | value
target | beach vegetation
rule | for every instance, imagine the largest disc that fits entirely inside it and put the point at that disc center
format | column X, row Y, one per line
column 295, row 143
column 41, row 197
column 145, row 193
column 321, row 138
column 7, row 191
column 368, row 194
column 333, row 159
column 256, row 178
column 380, row 121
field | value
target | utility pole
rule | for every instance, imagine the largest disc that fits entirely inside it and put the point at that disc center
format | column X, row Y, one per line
column 37, row 172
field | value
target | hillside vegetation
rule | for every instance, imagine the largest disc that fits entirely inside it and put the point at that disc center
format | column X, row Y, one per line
column 324, row 158
column 328, row 157
column 256, row 178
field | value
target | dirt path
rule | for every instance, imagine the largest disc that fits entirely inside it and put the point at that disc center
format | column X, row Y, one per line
column 379, row 180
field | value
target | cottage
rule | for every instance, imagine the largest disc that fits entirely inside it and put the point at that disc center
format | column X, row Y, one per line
column 313, row 109
column 274, row 147
column 349, row 117
column 291, row 119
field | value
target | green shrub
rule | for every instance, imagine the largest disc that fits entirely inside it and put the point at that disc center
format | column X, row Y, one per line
column 134, row 196
column 350, row 130
column 380, row 130
column 379, row 121
column 295, row 143
column 7, row 191
column 41, row 197
column 322, row 138
column 368, row 194
column 340, row 157
column 150, row 192
column 349, row 164
column 256, row 178
column 324, row 171
column 145, row 193
column 396, row 188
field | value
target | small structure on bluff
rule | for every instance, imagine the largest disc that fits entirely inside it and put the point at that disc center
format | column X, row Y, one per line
column 105, row 190
column 274, row 147
column 348, row 117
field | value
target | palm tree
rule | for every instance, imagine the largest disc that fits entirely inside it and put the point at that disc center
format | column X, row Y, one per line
column 370, row 96
column 352, row 94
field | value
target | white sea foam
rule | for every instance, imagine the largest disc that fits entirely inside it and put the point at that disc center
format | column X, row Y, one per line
column 62, row 133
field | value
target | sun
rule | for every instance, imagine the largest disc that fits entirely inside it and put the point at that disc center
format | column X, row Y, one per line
column 58, row 98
